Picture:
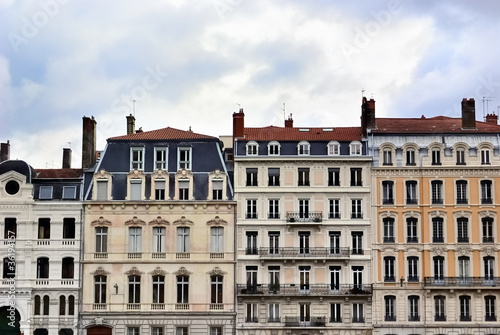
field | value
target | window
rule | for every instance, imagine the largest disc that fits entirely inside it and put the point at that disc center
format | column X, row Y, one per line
column 357, row 277
column 69, row 228
column 357, row 313
column 135, row 189
column 335, row 278
column 388, row 192
column 273, row 148
column 158, row 289
column 335, row 312
column 69, row 192
column 304, row 276
column 334, row 209
column 136, row 158
column 45, row 192
column 488, row 230
column 217, row 240
column 355, row 148
column 274, row 242
column 134, row 290
column 437, row 192
column 159, row 239
column 38, row 304
column 334, row 242
column 460, row 157
column 486, row 192
column 489, row 308
column 465, row 314
column 252, row 177
column 436, row 156
column 251, row 313
column 303, row 148
column 181, row 331
column 390, row 308
column 439, row 308
column 184, row 155
column 10, row 229
column 356, row 179
column 356, row 209
column 333, row 148
column 304, row 242
column 42, row 267
column 489, row 267
column 68, row 268
column 274, row 278
column 304, row 314
column 71, row 305
column 389, row 269
column 411, row 192
column 462, row 230
column 100, row 289
column 134, row 239
column 463, row 268
column 216, row 331
column 357, row 242
column 413, row 301
column 251, row 243
column 132, row 330
column 273, row 312
column 216, row 292
column 9, row 268
column 46, row 304
column 438, row 267
column 387, row 156
column 101, row 239
column 161, row 158
column 182, row 289
column 102, row 190
column 333, row 176
column 410, row 157
column 217, row 185
column 273, row 176
column 411, row 230
column 157, row 331
column 183, row 239
column 388, row 230
column 159, row 189
column 252, row 148
column 251, row 209
column 485, row 156
column 183, row 189
column 304, row 209
column 437, row 230
column 412, row 269
column 274, row 209
column 43, row 228
column 461, row 191
column 303, row 177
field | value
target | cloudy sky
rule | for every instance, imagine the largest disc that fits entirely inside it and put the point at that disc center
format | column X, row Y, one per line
column 192, row 63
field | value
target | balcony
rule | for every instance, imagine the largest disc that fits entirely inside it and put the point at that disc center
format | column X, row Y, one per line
column 157, row 309
column 305, row 290
column 389, row 239
column 438, row 317
column 313, row 321
column 296, row 252
column 304, row 217
column 356, row 215
column 467, row 282
column 488, row 239
column 462, row 201
column 390, row 318
column 413, row 318
column 486, row 201
column 389, row 201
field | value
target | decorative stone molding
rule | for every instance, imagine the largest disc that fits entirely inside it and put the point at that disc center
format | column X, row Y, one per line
column 158, row 272
column 100, row 272
column 217, row 222
column 489, row 251
column 183, row 222
column 102, row 174
column 438, row 251
column 101, row 222
column 216, row 272
column 135, row 222
column 159, row 221
column 160, row 174
column 182, row 272
column 464, row 251
column 134, row 272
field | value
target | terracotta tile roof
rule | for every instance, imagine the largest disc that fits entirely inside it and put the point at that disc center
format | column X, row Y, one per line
column 58, row 173
column 438, row 124
column 163, row 134
column 273, row 133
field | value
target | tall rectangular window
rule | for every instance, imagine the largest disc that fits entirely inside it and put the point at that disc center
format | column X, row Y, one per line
column 10, row 229
column 388, row 230
column 437, row 192
column 251, row 313
column 411, row 192
column 136, row 158
column 486, row 192
column 436, row 156
column 251, row 209
column 488, row 230
column 465, row 313
column 101, row 238
column 42, row 267
column 304, row 276
column 159, row 239
column 251, row 248
column 413, row 308
column 387, row 157
column 390, row 308
column 461, row 191
column 216, row 283
column 134, row 239
column 102, row 190
column 161, row 158
column 335, row 278
column 485, row 157
column 389, row 273
column 356, row 209
column 182, row 289
column 252, row 177
column 273, row 175
column 251, row 274
column 438, row 267
column 304, row 314
column 217, row 239
column 464, row 268
column 460, row 157
column 135, row 189
column 333, row 176
column 274, row 209
column 303, row 177
column 304, row 242
column 411, row 230
column 274, row 242
column 183, row 189
column 334, row 209
column 489, row 308
column 439, row 308
column 69, row 228
column 357, row 277
column 334, row 242
column 184, row 159
column 357, row 242
column 134, row 290
column 388, row 192
column 412, row 268
column 489, row 267
column 410, row 157
column 100, row 289
column 462, row 230
column 159, row 189
column 437, row 230
column 274, row 278
column 304, row 208
column 44, row 228
column 357, row 313
column 356, row 177
column 335, row 312
column 274, row 312
column 183, row 239
column 217, row 185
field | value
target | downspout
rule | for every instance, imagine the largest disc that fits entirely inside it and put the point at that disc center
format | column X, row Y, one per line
column 80, row 294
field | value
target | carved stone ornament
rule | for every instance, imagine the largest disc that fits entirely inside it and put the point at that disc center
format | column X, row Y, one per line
column 489, row 251
column 216, row 173
column 135, row 222
column 159, row 221
column 182, row 272
column 216, row 272
column 217, row 221
column 464, row 251
column 183, row 222
column 134, row 272
column 135, row 174
column 159, row 174
column 158, row 272
column 98, row 320
column 101, row 222
column 102, row 174
column 100, row 272
column 438, row 251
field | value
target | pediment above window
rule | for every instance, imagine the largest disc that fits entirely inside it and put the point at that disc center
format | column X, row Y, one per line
column 134, row 272
column 182, row 272
column 159, row 222
column 183, row 222
column 135, row 222
column 217, row 221
column 216, row 272
column 101, row 222
column 100, row 272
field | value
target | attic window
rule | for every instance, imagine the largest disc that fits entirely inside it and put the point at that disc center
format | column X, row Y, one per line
column 12, row 187
column 327, row 129
column 69, row 192
column 303, row 129
column 45, row 192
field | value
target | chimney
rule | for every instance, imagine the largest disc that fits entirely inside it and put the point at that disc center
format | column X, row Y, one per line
column 367, row 115
column 289, row 122
column 4, row 151
column 89, row 142
column 468, row 113
column 66, row 162
column 130, row 124
column 492, row 118
column 238, row 124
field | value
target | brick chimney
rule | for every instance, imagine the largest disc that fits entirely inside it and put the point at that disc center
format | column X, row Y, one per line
column 289, row 122
column 130, row 124
column 66, row 161
column 238, row 124
column 89, row 142
column 468, row 113
column 4, row 151
column 367, row 115
column 492, row 118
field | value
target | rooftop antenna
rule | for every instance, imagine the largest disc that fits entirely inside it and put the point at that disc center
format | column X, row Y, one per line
column 487, row 99
column 133, row 105
column 69, row 143
column 283, row 109
column 362, row 94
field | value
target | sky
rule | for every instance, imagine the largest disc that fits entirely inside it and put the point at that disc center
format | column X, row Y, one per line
column 193, row 63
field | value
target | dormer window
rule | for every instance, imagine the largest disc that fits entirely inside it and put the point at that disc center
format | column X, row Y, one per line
column 303, row 149
column 252, row 148
column 184, row 159
column 436, row 156
column 69, row 192
column 137, row 158
column 355, row 148
column 485, row 156
column 273, row 148
column 161, row 158
column 333, row 148
column 45, row 192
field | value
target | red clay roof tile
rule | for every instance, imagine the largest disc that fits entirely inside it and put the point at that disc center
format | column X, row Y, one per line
column 273, row 133
column 58, row 173
column 163, row 134
column 438, row 124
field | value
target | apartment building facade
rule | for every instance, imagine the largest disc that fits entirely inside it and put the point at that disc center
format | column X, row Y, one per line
column 435, row 195
column 303, row 230
column 159, row 232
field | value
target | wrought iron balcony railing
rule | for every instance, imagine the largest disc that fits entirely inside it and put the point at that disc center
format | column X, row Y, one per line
column 293, row 252
column 304, row 217
column 305, row 289
column 462, row 282
column 313, row 321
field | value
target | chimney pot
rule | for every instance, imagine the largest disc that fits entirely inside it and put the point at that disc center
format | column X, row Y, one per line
column 238, row 124
column 289, row 122
column 130, row 124
column 66, row 162
column 89, row 142
column 468, row 113
column 4, row 151
column 492, row 118
column 367, row 115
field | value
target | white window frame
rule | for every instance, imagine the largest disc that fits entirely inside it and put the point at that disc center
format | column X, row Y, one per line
column 162, row 163
column 333, row 148
column 217, row 239
column 187, row 163
column 159, row 234
column 355, row 148
column 273, row 148
column 71, row 189
column 137, row 164
column 252, row 148
column 183, row 237
column 303, row 148
column 135, row 183
column 45, row 192
column 135, row 239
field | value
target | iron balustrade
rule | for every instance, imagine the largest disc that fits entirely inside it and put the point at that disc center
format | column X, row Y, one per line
column 313, row 321
column 291, row 252
column 304, row 217
column 305, row 290
column 462, row 281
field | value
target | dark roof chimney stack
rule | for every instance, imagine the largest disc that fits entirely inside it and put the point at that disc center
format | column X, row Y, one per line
column 4, row 151
column 492, row 118
column 130, row 124
column 238, row 124
column 468, row 113
column 89, row 142
column 66, row 161
column 367, row 115
column 289, row 122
